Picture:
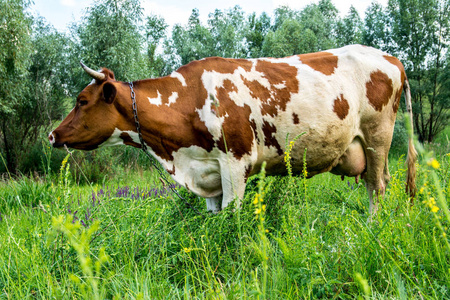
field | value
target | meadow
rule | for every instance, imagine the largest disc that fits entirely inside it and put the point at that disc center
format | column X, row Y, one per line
column 128, row 237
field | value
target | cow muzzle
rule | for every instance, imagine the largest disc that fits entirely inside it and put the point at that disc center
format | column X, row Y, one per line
column 53, row 142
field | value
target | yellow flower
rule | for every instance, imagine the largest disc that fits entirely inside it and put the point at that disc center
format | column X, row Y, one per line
column 187, row 250
column 431, row 203
column 257, row 211
column 263, row 207
column 433, row 163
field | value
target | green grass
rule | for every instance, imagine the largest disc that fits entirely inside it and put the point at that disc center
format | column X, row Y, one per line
column 310, row 241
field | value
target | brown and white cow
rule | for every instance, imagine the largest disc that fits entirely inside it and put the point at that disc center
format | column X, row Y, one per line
column 213, row 122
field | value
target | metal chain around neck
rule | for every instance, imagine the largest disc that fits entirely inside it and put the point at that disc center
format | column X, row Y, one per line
column 144, row 148
column 136, row 119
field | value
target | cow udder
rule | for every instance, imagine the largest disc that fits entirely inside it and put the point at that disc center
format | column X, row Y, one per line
column 353, row 162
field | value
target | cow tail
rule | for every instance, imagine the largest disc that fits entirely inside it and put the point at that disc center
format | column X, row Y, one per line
column 412, row 153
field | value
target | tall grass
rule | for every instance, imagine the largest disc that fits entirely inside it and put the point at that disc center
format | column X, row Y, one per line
column 130, row 238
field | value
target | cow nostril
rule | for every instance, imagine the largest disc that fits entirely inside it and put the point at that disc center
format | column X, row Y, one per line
column 51, row 138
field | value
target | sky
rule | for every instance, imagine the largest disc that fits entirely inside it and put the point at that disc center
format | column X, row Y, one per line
column 60, row 13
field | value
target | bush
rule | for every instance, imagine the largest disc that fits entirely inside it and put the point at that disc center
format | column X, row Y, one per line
column 399, row 143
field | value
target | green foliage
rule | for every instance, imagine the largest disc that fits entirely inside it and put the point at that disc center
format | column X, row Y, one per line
column 289, row 39
column 419, row 34
column 109, row 36
column 255, row 36
column 288, row 241
column 350, row 29
column 15, row 49
column 400, row 138
column 376, row 27
column 155, row 32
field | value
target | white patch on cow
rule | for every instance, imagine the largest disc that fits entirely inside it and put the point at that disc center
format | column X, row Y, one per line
column 211, row 174
column 290, row 60
column 173, row 98
column 115, row 139
column 281, row 85
column 156, row 101
column 211, row 120
column 179, row 77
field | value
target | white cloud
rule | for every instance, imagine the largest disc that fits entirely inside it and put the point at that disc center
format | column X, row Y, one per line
column 172, row 14
column 69, row 3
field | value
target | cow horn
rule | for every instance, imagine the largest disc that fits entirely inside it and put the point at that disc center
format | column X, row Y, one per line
column 92, row 73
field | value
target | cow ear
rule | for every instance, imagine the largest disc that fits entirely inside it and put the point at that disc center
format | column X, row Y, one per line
column 109, row 92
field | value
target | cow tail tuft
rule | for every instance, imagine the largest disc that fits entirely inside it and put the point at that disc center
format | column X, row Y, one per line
column 412, row 153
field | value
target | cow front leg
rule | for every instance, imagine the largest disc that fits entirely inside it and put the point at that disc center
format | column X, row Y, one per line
column 213, row 204
column 233, row 182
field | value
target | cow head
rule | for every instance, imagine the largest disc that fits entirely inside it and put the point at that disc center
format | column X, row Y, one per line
column 95, row 116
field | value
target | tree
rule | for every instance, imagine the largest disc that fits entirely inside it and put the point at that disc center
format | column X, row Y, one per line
column 227, row 29
column 48, row 79
column 420, row 36
column 109, row 36
column 376, row 27
column 256, row 32
column 155, row 31
column 282, row 14
column 321, row 19
column 223, row 36
column 289, row 39
column 15, row 49
column 192, row 42
column 349, row 30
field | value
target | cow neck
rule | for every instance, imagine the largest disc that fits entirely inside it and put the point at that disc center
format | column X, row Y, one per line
column 147, row 122
column 136, row 117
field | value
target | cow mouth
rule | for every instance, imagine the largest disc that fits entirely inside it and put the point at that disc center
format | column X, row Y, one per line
column 77, row 146
column 58, row 145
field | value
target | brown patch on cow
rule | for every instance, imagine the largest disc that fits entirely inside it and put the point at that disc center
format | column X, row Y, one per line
column 273, row 99
column 248, row 170
column 127, row 140
column 396, row 103
column 218, row 64
column 324, row 62
column 255, row 131
column 171, row 172
column 260, row 92
column 269, row 137
column 379, row 90
column 237, row 128
column 295, row 118
column 340, row 107
column 393, row 60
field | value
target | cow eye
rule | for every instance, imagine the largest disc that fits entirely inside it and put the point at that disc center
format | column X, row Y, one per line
column 83, row 102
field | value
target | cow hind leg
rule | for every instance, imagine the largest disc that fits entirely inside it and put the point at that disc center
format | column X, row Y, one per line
column 376, row 177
